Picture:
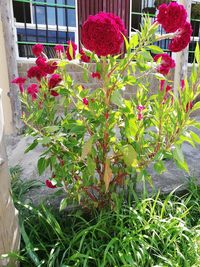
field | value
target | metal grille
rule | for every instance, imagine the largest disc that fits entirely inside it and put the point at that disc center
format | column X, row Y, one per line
column 44, row 21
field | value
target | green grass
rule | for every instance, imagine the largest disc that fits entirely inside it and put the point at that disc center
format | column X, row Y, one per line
column 146, row 232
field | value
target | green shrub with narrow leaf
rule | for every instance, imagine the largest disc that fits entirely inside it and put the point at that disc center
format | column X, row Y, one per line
column 96, row 142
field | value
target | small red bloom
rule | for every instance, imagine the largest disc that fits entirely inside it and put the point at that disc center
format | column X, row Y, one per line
column 189, row 106
column 172, row 16
column 140, row 108
column 54, row 81
column 106, row 115
column 41, row 62
column 140, row 116
column 182, row 84
column 84, row 57
column 73, row 46
column 20, row 81
column 182, row 38
column 37, row 49
column 33, row 90
column 166, row 64
column 85, row 101
column 59, row 48
column 49, row 184
column 162, row 83
column 96, row 75
column 51, row 67
column 36, row 72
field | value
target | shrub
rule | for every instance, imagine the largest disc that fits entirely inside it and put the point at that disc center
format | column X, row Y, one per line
column 96, row 142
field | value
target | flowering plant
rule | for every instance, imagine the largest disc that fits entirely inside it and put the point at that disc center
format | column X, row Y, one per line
column 97, row 141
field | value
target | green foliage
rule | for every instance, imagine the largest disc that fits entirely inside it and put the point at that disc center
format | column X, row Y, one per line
column 153, row 231
column 80, row 139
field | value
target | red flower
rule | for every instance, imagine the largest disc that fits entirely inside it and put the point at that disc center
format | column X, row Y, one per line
column 84, row 57
column 59, row 49
column 85, row 101
column 20, row 81
column 189, row 106
column 50, row 67
column 166, row 64
column 182, row 84
column 172, row 16
column 53, row 82
column 41, row 62
column 102, row 34
column 162, row 83
column 140, row 108
column 33, row 90
column 36, row 72
column 49, row 184
column 182, row 38
column 37, row 49
column 96, row 75
column 73, row 46
column 140, row 116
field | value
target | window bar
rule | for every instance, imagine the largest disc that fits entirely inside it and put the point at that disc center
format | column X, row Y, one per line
column 36, row 24
column 66, row 20
column 47, row 34
column 25, row 28
column 56, row 10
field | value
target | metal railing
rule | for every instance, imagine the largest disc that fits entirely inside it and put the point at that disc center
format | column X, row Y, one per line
column 44, row 21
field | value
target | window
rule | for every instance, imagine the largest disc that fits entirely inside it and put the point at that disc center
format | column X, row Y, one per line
column 46, row 21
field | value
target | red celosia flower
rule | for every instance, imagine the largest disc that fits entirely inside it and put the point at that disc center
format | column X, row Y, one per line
column 41, row 62
column 103, row 34
column 162, row 83
column 106, row 115
column 51, row 67
column 96, row 75
column 53, row 82
column 140, row 107
column 140, row 116
column 49, row 184
column 172, row 16
column 85, row 101
column 189, row 106
column 182, row 38
column 59, row 49
column 84, row 57
column 182, row 84
column 33, row 90
column 73, row 46
column 20, row 81
column 37, row 49
column 36, row 72
column 166, row 63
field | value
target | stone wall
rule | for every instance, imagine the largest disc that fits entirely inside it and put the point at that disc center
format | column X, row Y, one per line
column 76, row 73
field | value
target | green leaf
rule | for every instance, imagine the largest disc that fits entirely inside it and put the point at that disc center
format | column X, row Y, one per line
column 195, row 137
column 45, row 140
column 159, row 167
column 71, row 50
column 52, row 129
column 31, row 147
column 63, row 204
column 129, row 155
column 87, row 147
column 146, row 55
column 197, row 53
column 91, row 165
column 155, row 49
column 117, row 99
column 179, row 158
column 196, row 106
column 41, row 165
column 134, row 40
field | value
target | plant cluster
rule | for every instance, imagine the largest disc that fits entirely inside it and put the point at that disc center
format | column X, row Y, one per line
column 96, row 142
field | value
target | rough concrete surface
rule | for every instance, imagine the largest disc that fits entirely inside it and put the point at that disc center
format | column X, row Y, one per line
column 166, row 182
